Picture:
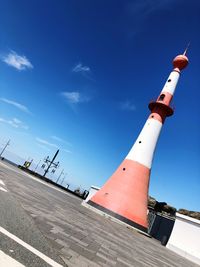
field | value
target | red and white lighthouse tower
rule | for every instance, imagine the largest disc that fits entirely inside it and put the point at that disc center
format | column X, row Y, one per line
column 125, row 195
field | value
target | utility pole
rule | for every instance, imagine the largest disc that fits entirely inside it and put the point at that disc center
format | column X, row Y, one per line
column 51, row 162
column 63, row 179
column 37, row 165
column 7, row 144
column 62, row 172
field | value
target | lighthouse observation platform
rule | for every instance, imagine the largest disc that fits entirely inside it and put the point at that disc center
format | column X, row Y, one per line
column 69, row 233
column 153, row 105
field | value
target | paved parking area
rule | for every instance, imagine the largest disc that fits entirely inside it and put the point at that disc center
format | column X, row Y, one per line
column 80, row 236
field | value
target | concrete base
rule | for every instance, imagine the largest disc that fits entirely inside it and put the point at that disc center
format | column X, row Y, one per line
column 109, row 217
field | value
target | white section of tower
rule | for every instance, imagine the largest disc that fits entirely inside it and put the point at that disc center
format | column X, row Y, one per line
column 171, row 83
column 144, row 147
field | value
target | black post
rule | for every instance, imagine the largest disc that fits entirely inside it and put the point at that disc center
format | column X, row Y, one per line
column 7, row 144
column 46, row 171
column 62, row 172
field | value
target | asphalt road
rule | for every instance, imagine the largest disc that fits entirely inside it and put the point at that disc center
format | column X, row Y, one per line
column 54, row 223
column 15, row 221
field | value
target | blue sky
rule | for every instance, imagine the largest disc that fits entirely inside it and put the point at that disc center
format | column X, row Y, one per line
column 78, row 76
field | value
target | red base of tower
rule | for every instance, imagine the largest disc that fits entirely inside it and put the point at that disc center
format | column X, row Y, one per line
column 118, row 216
column 125, row 195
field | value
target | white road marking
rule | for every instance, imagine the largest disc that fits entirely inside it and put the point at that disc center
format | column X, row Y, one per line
column 2, row 183
column 7, row 261
column 36, row 179
column 30, row 248
column 3, row 189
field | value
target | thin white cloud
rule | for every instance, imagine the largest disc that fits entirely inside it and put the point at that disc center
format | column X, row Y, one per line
column 16, row 123
column 140, row 11
column 66, row 150
column 85, row 71
column 18, row 62
column 43, row 147
column 72, row 97
column 56, row 138
column 44, row 142
column 80, row 68
column 75, row 97
column 146, row 7
column 15, row 104
column 127, row 105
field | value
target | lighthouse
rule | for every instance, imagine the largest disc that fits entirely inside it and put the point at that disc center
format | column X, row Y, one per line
column 125, row 194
